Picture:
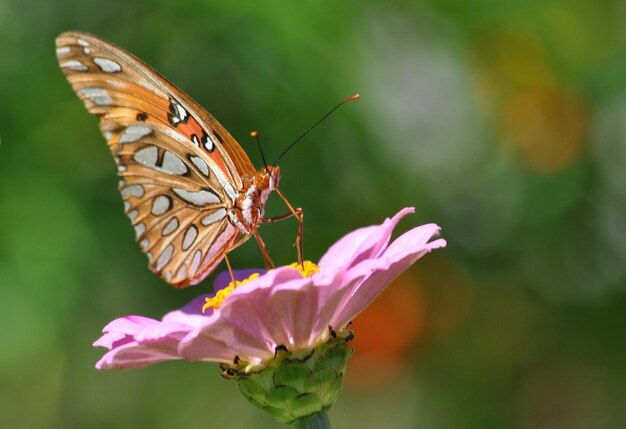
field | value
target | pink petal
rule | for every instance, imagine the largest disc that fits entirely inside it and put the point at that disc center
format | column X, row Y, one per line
column 135, row 355
column 191, row 314
column 361, row 244
column 250, row 323
column 399, row 256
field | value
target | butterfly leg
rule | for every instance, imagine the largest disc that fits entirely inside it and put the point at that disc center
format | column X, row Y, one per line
column 299, row 215
column 230, row 270
column 266, row 257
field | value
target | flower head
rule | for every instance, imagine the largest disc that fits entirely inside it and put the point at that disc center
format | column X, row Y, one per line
column 280, row 309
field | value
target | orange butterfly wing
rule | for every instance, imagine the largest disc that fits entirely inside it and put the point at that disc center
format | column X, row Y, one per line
column 181, row 170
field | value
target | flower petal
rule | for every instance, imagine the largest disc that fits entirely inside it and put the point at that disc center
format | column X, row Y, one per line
column 399, row 256
column 135, row 355
column 253, row 320
column 361, row 244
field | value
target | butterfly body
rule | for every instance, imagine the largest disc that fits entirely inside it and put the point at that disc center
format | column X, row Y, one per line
column 189, row 189
column 249, row 208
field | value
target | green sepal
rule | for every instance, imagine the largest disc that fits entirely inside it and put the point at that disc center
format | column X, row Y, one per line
column 292, row 387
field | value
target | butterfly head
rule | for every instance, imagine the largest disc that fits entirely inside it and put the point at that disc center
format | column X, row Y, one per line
column 267, row 178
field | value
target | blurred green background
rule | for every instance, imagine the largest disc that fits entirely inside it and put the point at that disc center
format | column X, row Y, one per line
column 504, row 122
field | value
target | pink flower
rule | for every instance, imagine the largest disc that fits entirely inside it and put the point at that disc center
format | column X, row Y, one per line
column 279, row 308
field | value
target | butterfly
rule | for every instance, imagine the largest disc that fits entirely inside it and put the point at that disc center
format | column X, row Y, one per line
column 189, row 189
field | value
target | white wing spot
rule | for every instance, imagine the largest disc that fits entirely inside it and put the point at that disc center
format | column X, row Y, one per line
column 64, row 50
column 209, row 141
column 140, row 228
column 214, row 217
column 150, row 257
column 198, row 198
column 182, row 113
column 160, row 205
column 171, row 226
column 106, row 65
column 172, row 164
column 165, row 257
column 190, row 237
column 182, row 271
column 74, row 65
column 145, row 244
column 147, row 156
column 87, row 51
column 134, row 133
column 127, row 206
column 200, row 165
column 97, row 95
column 226, row 184
column 133, row 191
column 82, row 42
column 133, row 215
column 121, row 168
column 195, row 264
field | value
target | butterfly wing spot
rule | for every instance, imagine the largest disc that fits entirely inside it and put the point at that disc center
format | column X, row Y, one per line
column 164, row 257
column 177, row 114
column 140, row 228
column 198, row 198
column 133, row 191
column 207, row 141
column 127, row 206
column 133, row 215
column 141, row 117
column 160, row 205
column 145, row 244
column 82, row 42
column 172, row 164
column 182, row 271
column 147, row 156
column 74, row 65
column 225, row 184
column 62, row 51
column 134, row 133
column 200, row 164
column 195, row 140
column 121, row 168
column 107, row 65
column 97, row 95
column 171, row 226
column 195, row 263
column 217, row 215
column 190, row 237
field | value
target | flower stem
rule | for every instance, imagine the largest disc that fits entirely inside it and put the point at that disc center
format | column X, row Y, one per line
column 314, row 421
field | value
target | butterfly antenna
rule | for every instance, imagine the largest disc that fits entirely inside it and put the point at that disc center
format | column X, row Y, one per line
column 352, row 97
column 257, row 138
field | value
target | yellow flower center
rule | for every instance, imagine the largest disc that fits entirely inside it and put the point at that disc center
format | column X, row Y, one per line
column 306, row 269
